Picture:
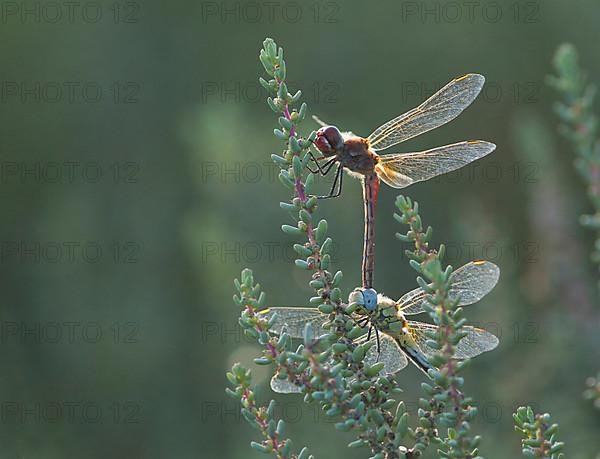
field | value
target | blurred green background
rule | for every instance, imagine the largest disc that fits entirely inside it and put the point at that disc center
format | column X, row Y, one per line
column 136, row 184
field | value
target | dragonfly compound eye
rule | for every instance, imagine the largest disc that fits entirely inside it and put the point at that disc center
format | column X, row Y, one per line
column 370, row 298
column 329, row 140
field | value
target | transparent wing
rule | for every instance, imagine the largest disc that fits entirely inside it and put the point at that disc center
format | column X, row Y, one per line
column 295, row 320
column 470, row 282
column 390, row 354
column 283, row 386
column 473, row 281
column 345, row 134
column 401, row 170
column 443, row 106
column 477, row 341
column 319, row 121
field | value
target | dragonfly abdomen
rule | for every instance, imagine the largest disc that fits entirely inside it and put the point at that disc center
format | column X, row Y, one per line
column 416, row 357
column 370, row 192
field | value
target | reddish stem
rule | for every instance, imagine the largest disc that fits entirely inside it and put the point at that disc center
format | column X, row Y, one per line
column 300, row 186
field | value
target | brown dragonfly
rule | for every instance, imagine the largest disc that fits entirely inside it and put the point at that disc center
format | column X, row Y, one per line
column 358, row 155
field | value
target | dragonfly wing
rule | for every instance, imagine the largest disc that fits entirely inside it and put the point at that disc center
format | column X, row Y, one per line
column 470, row 283
column 345, row 135
column 401, row 170
column 283, row 386
column 412, row 302
column 473, row 281
column 390, row 354
column 295, row 319
column 442, row 107
column 319, row 121
column 477, row 340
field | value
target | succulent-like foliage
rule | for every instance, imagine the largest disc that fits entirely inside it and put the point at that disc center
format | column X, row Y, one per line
column 445, row 405
column 539, row 435
column 580, row 126
column 261, row 418
column 330, row 369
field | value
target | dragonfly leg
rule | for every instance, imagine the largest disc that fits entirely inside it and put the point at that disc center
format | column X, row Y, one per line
column 328, row 165
column 312, row 170
column 338, row 176
column 320, row 169
column 362, row 322
column 377, row 339
column 314, row 160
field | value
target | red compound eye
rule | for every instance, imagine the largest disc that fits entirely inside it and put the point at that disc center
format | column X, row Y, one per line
column 329, row 140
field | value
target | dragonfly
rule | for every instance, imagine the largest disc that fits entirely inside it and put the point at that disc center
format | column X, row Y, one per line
column 400, row 340
column 358, row 155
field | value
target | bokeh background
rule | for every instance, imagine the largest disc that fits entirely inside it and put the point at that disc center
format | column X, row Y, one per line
column 136, row 184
